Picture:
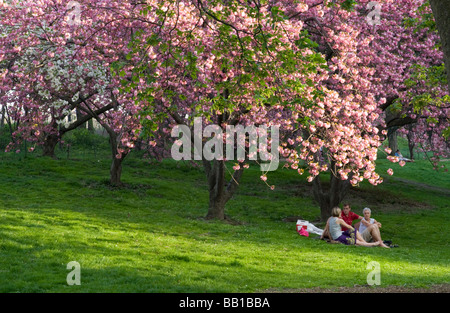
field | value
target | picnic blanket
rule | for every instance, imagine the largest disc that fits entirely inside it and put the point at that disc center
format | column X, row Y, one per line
column 304, row 228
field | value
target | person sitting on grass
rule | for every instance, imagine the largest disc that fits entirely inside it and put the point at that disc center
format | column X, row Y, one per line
column 401, row 157
column 348, row 216
column 349, row 237
column 369, row 228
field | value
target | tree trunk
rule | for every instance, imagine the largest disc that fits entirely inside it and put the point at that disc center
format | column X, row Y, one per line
column 80, row 117
column 116, row 165
column 51, row 140
column 114, row 139
column 216, row 184
column 322, row 198
column 2, row 121
column 441, row 14
column 216, row 208
column 49, row 145
column 332, row 197
column 411, row 143
column 91, row 125
column 116, row 171
column 411, row 146
column 392, row 138
column 219, row 193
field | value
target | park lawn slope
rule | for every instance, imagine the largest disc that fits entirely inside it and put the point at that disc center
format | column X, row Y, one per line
column 150, row 234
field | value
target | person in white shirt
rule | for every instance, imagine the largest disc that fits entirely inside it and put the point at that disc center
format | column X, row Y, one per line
column 370, row 228
column 401, row 157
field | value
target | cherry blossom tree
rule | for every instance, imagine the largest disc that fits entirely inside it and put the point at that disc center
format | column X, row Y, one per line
column 375, row 65
column 220, row 61
column 441, row 15
column 404, row 48
column 343, row 137
column 234, row 62
column 56, row 62
column 318, row 70
column 405, row 52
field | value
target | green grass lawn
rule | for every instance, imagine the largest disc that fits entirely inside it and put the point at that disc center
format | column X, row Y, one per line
column 150, row 235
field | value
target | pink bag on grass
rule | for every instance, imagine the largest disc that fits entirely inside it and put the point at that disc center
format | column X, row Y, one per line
column 303, row 232
column 305, row 227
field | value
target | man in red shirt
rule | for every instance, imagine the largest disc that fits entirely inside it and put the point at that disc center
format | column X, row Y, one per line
column 348, row 216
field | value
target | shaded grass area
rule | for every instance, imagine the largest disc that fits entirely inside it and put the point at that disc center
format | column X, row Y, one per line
column 150, row 235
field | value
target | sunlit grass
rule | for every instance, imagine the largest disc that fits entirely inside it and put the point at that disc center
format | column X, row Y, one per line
column 150, row 235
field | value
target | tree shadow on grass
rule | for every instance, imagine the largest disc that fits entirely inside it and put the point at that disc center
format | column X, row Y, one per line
column 42, row 263
column 105, row 269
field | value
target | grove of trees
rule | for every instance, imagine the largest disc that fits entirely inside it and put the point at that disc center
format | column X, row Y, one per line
column 337, row 78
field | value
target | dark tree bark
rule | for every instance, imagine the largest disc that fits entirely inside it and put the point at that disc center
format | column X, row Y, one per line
column 48, row 148
column 219, row 193
column 114, row 138
column 392, row 138
column 441, row 12
column 80, row 116
column 411, row 143
column 332, row 197
column 2, row 120
column 116, row 164
column 51, row 140
column 91, row 125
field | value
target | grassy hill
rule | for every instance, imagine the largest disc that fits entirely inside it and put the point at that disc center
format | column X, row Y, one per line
column 150, row 235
